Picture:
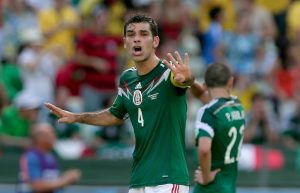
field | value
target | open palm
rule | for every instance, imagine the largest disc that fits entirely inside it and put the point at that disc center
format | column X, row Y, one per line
column 181, row 69
column 64, row 116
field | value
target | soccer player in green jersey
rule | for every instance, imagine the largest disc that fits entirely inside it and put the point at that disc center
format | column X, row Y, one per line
column 219, row 134
column 153, row 96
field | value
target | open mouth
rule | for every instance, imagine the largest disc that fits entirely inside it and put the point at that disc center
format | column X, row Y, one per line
column 137, row 50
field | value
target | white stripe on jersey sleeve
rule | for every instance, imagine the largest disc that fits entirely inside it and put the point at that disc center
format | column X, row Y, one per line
column 205, row 127
column 201, row 125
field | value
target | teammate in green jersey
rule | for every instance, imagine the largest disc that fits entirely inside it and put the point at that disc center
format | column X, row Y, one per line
column 153, row 95
column 219, row 134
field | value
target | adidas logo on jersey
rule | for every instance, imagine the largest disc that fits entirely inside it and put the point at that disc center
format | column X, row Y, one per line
column 138, row 86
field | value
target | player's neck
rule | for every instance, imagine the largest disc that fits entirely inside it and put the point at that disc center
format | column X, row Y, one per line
column 219, row 93
column 146, row 66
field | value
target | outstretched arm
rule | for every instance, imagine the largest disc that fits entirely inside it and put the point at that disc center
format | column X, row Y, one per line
column 199, row 91
column 102, row 118
column 183, row 76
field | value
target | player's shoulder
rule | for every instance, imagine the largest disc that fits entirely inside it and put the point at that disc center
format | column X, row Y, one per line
column 235, row 99
column 222, row 103
column 216, row 104
column 211, row 105
column 207, row 109
column 130, row 72
column 163, row 67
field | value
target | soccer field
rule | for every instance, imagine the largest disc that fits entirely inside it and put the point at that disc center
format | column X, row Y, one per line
column 99, row 189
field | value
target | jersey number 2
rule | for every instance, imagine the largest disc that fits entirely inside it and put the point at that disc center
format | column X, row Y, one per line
column 233, row 134
column 140, row 117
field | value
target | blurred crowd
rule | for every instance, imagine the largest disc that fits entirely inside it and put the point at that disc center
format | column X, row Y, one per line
column 70, row 53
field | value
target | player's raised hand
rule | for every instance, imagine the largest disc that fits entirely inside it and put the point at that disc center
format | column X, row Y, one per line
column 183, row 75
column 64, row 116
column 199, row 176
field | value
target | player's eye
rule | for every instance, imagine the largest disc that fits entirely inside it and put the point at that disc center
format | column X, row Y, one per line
column 145, row 34
column 130, row 34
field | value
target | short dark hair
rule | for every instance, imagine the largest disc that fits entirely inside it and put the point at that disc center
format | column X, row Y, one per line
column 141, row 18
column 214, row 12
column 217, row 75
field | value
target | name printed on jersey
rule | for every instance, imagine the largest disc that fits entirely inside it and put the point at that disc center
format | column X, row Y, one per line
column 235, row 115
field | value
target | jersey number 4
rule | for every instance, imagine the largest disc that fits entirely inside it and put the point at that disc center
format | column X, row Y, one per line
column 140, row 117
column 233, row 135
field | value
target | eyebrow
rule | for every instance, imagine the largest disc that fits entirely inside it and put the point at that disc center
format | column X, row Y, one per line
column 143, row 31
column 128, row 31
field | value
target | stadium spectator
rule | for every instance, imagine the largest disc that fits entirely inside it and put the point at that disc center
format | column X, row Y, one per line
column 293, row 23
column 38, row 68
column 262, row 125
column 145, row 93
column 17, row 18
column 17, row 119
column 229, row 14
column 38, row 169
column 96, row 61
column 175, row 17
column 279, row 11
column 263, row 25
column 59, row 25
column 285, row 74
column 261, row 20
column 240, row 47
column 10, row 76
column 274, row 8
column 291, row 125
column 37, row 5
column 213, row 36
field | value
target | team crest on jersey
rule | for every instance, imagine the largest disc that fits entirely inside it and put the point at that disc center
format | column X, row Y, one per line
column 137, row 97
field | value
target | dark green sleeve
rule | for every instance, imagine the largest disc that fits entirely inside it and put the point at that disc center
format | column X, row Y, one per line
column 202, row 133
column 118, row 109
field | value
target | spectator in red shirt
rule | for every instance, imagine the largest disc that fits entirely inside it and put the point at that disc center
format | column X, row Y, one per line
column 285, row 75
column 93, row 71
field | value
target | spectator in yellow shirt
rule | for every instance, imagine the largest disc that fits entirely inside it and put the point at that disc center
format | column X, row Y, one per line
column 293, row 21
column 59, row 25
column 229, row 13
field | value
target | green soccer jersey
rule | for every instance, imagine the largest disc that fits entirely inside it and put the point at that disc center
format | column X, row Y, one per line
column 223, row 120
column 157, row 110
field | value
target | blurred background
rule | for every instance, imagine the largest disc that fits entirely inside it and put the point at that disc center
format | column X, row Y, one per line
column 70, row 53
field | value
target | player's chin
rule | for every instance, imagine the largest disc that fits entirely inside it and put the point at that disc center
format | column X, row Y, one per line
column 139, row 58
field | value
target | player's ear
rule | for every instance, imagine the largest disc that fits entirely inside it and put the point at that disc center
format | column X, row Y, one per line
column 230, row 83
column 155, row 42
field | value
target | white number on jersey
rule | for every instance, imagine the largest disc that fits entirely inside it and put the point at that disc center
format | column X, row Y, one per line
column 241, row 142
column 140, row 117
column 233, row 135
